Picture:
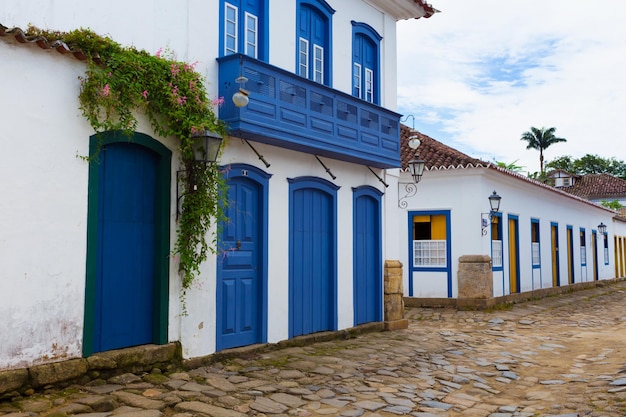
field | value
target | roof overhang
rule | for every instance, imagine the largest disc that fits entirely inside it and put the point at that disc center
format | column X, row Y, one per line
column 405, row 9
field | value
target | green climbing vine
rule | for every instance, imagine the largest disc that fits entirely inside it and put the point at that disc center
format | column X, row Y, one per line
column 121, row 82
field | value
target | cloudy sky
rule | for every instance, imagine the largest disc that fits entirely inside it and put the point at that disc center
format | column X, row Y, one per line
column 482, row 72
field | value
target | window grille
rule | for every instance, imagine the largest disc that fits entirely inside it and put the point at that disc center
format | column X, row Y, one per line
column 496, row 253
column 429, row 253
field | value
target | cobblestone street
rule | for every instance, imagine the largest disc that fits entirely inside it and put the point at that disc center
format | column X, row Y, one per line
column 559, row 356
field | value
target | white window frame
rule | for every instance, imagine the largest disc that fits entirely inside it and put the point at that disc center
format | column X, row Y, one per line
column 429, row 253
column 496, row 253
column 583, row 255
column 252, row 35
column 536, row 254
column 227, row 35
column 369, row 85
column 303, row 58
column 318, row 64
column 356, row 80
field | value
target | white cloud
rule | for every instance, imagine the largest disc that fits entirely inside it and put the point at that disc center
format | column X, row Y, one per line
column 482, row 72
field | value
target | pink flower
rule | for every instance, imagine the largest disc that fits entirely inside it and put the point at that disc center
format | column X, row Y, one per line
column 159, row 52
column 106, row 90
column 218, row 101
column 181, row 100
column 145, row 94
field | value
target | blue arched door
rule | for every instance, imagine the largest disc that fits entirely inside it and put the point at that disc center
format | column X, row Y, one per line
column 242, row 261
column 367, row 260
column 312, row 256
column 128, row 243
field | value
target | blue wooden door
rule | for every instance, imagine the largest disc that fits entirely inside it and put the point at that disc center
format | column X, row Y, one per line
column 367, row 259
column 125, row 260
column 312, row 230
column 239, row 295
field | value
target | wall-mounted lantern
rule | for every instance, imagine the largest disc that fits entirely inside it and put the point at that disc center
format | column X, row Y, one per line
column 206, row 148
column 487, row 218
column 416, row 168
column 602, row 228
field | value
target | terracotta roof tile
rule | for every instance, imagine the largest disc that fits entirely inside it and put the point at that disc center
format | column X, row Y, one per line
column 22, row 37
column 598, row 186
column 435, row 154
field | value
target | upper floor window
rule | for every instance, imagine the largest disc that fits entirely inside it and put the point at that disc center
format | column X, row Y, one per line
column 244, row 28
column 314, row 40
column 365, row 62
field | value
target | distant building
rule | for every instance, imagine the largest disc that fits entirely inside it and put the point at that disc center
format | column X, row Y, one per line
column 592, row 187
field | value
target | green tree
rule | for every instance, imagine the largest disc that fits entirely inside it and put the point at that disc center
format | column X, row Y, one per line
column 589, row 164
column 565, row 162
column 613, row 204
column 512, row 166
column 541, row 139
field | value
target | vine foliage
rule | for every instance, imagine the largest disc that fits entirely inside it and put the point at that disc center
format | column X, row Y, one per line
column 121, row 82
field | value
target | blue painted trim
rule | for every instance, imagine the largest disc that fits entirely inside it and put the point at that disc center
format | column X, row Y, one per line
column 263, row 28
column 162, row 233
column 582, row 230
column 376, row 195
column 605, row 245
column 324, row 8
column 571, row 245
column 499, row 226
column 329, row 188
column 262, row 178
column 365, row 30
column 448, row 267
column 535, row 221
column 594, row 249
column 517, row 264
column 557, row 261
column 321, row 5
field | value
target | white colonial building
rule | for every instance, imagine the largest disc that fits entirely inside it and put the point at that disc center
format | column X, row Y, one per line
column 540, row 237
column 304, row 248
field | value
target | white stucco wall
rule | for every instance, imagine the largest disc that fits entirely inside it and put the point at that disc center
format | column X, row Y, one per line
column 43, row 208
column 464, row 193
column 198, row 328
column 44, row 184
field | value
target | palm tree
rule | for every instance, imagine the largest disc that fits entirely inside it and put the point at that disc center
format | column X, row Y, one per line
column 541, row 139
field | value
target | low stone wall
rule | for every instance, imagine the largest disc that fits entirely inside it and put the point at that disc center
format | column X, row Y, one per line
column 99, row 366
column 486, row 303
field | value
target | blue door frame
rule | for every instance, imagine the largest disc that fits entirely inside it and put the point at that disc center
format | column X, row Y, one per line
column 312, row 255
column 241, row 299
column 127, row 282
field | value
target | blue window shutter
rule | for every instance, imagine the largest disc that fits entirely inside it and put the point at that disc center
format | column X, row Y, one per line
column 366, row 55
column 256, row 8
column 314, row 26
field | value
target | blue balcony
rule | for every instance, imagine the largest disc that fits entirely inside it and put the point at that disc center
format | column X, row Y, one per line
column 292, row 112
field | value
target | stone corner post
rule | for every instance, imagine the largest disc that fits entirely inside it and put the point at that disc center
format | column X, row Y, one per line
column 475, row 277
column 393, row 300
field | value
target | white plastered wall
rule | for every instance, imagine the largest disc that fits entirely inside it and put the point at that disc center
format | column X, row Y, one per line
column 44, row 207
column 464, row 192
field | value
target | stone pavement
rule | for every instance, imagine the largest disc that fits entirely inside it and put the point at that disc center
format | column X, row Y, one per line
column 560, row 356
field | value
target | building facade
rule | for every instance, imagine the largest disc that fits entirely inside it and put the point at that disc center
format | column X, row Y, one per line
column 541, row 236
column 304, row 246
